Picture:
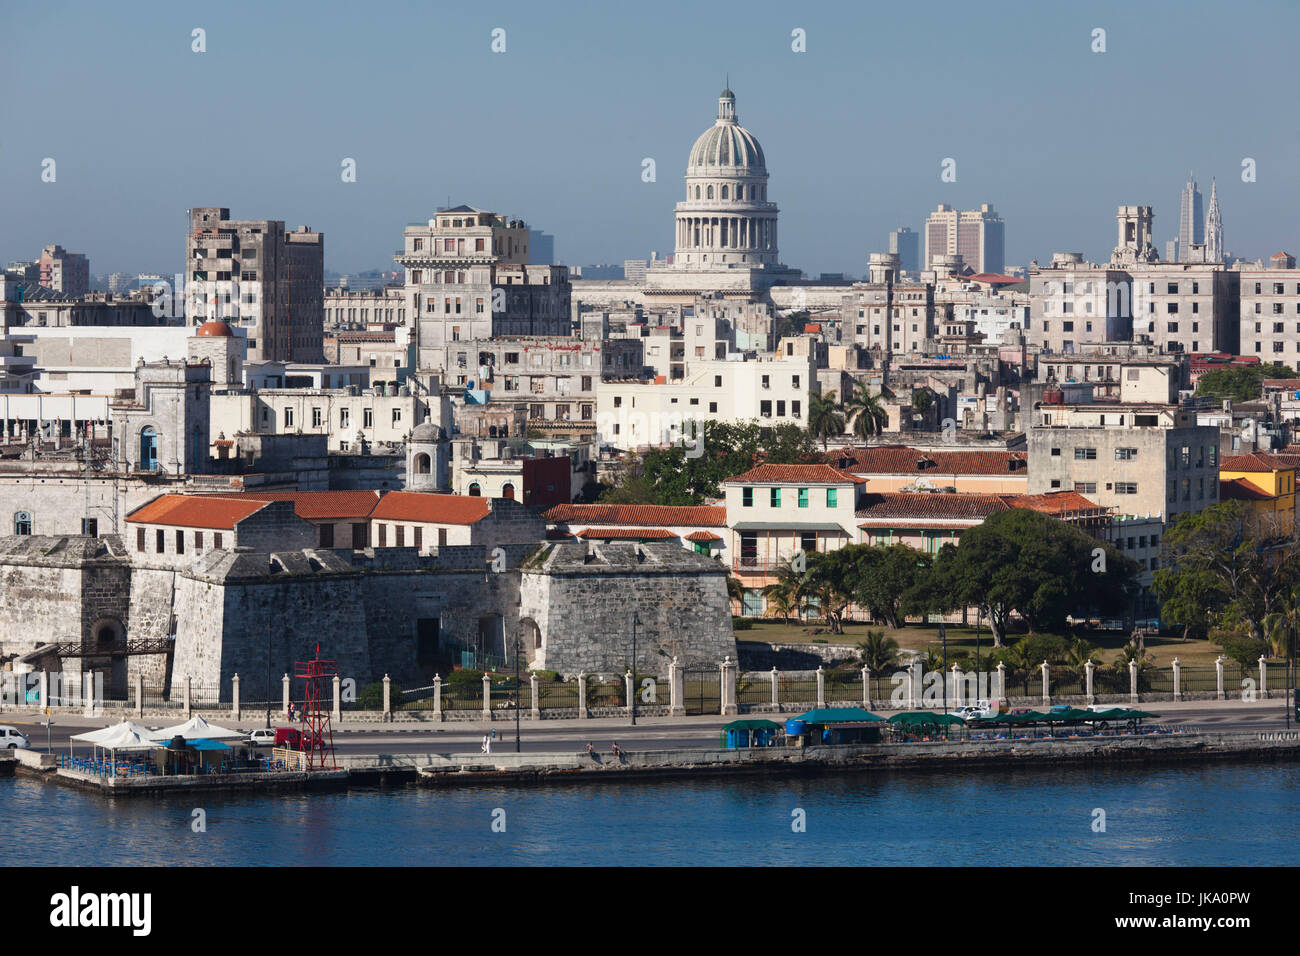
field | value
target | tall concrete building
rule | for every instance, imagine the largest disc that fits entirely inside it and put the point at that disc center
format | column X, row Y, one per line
column 468, row 277
column 1191, row 222
column 63, row 271
column 260, row 276
column 1214, row 228
column 906, row 244
column 976, row 235
column 541, row 248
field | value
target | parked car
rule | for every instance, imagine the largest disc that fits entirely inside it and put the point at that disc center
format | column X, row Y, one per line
column 262, row 737
column 1098, row 708
column 970, row 712
column 289, row 737
column 11, row 738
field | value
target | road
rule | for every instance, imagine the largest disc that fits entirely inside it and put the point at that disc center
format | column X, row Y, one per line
column 654, row 733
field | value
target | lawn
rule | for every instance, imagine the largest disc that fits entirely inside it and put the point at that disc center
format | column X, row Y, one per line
column 919, row 636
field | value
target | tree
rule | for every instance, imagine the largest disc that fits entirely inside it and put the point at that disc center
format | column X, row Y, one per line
column 887, row 581
column 791, row 587
column 865, row 412
column 780, row 603
column 825, row 417
column 1219, row 570
column 1024, row 562
column 830, row 577
column 921, row 399
column 878, row 653
column 736, row 592
column 1241, row 383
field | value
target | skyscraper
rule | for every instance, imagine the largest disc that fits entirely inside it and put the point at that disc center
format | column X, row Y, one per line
column 906, row 244
column 977, row 236
column 1191, row 225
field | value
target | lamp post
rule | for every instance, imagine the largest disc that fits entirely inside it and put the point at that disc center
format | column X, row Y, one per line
column 979, row 612
column 636, row 618
column 516, row 688
column 943, row 636
column 268, row 672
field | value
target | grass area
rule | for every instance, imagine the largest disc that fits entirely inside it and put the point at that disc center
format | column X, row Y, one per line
column 918, row 637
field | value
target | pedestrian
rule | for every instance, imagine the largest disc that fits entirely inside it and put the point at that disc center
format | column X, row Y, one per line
column 616, row 750
column 488, row 742
column 483, row 745
column 591, row 751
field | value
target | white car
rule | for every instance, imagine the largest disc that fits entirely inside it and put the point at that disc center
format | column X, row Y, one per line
column 262, row 737
column 11, row 738
column 970, row 712
column 1100, row 708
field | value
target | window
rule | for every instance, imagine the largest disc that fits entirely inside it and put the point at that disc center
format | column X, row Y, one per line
column 1125, row 454
column 1085, row 454
column 327, row 536
column 1126, row 488
column 345, row 417
column 401, row 535
column 803, row 497
column 747, row 497
column 90, row 527
column 367, row 418
column 315, row 417
column 198, row 540
column 1085, row 487
column 288, row 417
column 139, row 539
column 180, row 541
column 160, row 541
column 774, row 497
column 832, row 497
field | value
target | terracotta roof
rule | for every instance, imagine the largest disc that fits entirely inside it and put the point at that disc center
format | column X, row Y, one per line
column 633, row 534
column 930, row 505
column 643, row 515
column 702, row 536
column 432, row 508
column 1258, row 461
column 1239, row 489
column 903, row 460
column 795, row 475
column 317, row 505
column 195, row 511
column 1054, row 502
column 1287, row 384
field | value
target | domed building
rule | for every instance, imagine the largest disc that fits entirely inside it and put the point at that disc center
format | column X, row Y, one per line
column 726, row 232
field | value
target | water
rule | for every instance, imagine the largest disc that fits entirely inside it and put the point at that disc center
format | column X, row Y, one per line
column 1226, row 814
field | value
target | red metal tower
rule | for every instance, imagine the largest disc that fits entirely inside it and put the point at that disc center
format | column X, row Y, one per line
column 317, row 737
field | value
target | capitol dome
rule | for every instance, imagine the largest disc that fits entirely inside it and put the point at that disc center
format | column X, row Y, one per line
column 726, row 143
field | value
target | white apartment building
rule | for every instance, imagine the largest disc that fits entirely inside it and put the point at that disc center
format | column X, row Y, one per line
column 771, row 391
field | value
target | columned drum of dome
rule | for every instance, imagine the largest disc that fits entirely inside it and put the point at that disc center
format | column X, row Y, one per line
column 726, row 219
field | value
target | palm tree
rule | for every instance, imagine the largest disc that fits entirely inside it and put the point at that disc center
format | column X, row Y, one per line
column 779, row 603
column 878, row 653
column 825, row 417
column 736, row 591
column 791, row 588
column 866, row 413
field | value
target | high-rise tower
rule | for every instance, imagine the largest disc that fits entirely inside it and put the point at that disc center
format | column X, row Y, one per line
column 1214, row 228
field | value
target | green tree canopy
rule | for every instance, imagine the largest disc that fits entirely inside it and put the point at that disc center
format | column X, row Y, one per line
column 1240, row 383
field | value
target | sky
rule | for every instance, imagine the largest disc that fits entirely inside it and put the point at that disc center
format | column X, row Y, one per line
column 555, row 129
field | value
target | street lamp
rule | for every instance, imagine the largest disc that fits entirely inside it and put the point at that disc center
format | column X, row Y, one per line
column 636, row 619
column 943, row 636
column 516, row 688
column 979, row 613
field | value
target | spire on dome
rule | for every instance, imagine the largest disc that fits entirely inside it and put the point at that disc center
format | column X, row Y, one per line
column 727, row 105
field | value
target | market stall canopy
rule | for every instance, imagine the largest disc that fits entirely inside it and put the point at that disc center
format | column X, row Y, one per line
column 124, row 738
column 837, row 715
column 98, row 737
column 921, row 718
column 194, row 729
column 1121, row 713
column 752, row 725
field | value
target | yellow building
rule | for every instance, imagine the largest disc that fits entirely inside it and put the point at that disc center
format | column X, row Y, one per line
column 1267, row 482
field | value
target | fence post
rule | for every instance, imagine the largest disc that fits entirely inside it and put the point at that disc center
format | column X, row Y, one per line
column 1263, row 676
column 821, row 686
column 1088, row 668
column 337, row 716
column 1133, row 682
column 1002, row 681
column 284, row 687
column 582, row 696
column 956, row 688
column 487, row 697
column 676, row 689
column 1047, row 683
column 388, row 698
column 437, row 697
column 532, row 696
column 730, row 671
column 189, row 710
column 139, row 694
column 627, row 690
column 234, row 697
column 866, row 688
column 776, row 702
column 1218, row 678
column 914, row 685
column 88, row 693
column 1178, row 684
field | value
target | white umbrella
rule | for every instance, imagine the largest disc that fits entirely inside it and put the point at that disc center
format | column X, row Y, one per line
column 124, row 738
column 98, row 737
column 195, row 728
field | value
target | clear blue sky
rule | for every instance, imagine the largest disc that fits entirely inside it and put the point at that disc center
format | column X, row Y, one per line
column 554, row 130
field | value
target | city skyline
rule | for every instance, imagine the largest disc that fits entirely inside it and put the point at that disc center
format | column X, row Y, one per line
column 566, row 155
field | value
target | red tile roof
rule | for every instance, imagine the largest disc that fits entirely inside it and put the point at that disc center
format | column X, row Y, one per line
column 643, row 515
column 702, row 536
column 631, row 534
column 903, row 460
column 1239, row 489
column 316, row 505
column 431, row 508
column 893, row 505
column 195, row 511
column 795, row 475
column 1258, row 461
column 1055, row 503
